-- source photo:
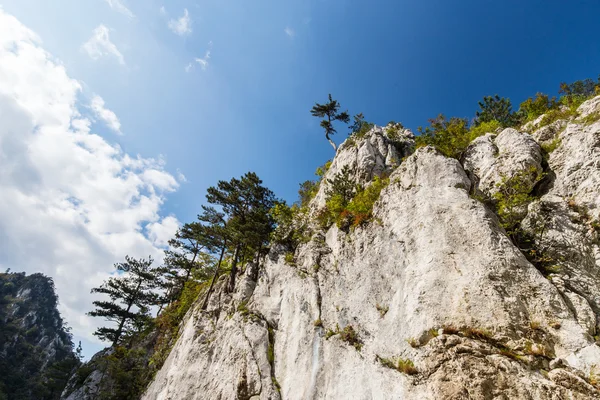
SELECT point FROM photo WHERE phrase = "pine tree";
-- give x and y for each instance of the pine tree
(187, 253)
(330, 110)
(215, 226)
(245, 204)
(131, 296)
(342, 185)
(495, 108)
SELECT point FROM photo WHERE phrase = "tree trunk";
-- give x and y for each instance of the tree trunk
(331, 143)
(124, 319)
(212, 283)
(234, 268)
(189, 271)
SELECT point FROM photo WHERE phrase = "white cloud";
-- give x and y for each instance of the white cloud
(203, 62)
(161, 233)
(120, 7)
(162, 10)
(289, 31)
(99, 45)
(181, 177)
(181, 26)
(72, 204)
(110, 118)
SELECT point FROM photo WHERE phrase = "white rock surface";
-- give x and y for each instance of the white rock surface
(373, 155)
(565, 224)
(491, 158)
(432, 257)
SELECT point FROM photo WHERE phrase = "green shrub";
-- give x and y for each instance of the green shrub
(556, 114)
(553, 145)
(330, 333)
(590, 118)
(242, 308)
(512, 196)
(339, 193)
(403, 365)
(360, 127)
(361, 206)
(290, 259)
(450, 136)
(308, 190)
(532, 108)
(393, 130)
(348, 209)
(483, 128)
(348, 335)
(290, 225)
(576, 93)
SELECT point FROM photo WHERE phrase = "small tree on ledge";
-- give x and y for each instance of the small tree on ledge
(131, 296)
(330, 111)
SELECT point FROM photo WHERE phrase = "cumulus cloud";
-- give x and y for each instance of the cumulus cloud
(72, 203)
(161, 233)
(118, 6)
(99, 45)
(110, 118)
(181, 26)
(289, 31)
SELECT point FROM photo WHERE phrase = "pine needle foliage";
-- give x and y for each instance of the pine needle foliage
(131, 293)
(330, 112)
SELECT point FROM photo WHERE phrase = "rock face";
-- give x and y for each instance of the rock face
(378, 153)
(491, 158)
(429, 300)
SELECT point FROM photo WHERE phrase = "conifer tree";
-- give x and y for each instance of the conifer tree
(187, 253)
(342, 185)
(245, 204)
(495, 108)
(131, 296)
(215, 226)
(330, 111)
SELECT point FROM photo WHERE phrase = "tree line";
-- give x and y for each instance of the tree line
(233, 229)
(452, 135)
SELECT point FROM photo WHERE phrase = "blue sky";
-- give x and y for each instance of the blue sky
(247, 108)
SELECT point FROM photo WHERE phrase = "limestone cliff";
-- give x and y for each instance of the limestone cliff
(429, 300)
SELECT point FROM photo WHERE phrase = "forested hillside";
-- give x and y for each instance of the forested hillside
(36, 349)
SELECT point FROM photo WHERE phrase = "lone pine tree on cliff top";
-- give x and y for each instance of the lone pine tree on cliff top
(329, 111)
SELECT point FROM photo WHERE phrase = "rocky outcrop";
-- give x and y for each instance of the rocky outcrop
(429, 300)
(565, 223)
(36, 350)
(492, 158)
(377, 153)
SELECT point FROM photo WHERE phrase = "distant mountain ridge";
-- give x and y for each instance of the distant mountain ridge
(36, 348)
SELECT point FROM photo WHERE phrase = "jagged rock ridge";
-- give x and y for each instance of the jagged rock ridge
(432, 286)
(36, 350)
